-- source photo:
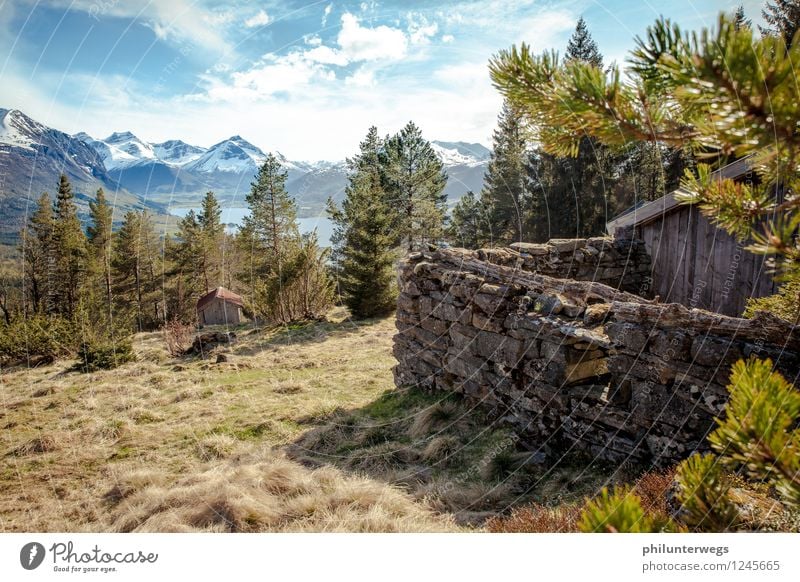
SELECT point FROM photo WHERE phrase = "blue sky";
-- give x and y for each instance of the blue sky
(302, 77)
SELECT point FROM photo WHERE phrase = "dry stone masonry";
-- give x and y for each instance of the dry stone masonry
(575, 365)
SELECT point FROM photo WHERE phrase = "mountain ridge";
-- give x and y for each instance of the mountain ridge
(174, 173)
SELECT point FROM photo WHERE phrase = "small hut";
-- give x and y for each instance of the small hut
(694, 262)
(220, 306)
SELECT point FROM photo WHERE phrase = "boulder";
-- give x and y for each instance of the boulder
(207, 341)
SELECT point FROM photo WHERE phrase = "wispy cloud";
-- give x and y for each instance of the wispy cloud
(261, 18)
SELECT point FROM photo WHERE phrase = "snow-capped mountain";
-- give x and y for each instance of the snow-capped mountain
(234, 154)
(176, 152)
(131, 145)
(174, 172)
(460, 153)
(32, 156)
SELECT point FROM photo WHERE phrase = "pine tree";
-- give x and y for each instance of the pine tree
(740, 20)
(285, 273)
(569, 196)
(690, 101)
(414, 180)
(471, 223)
(136, 270)
(782, 18)
(38, 256)
(505, 183)
(210, 241)
(69, 244)
(363, 238)
(272, 222)
(582, 47)
(99, 234)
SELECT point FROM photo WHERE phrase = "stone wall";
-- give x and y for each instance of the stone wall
(621, 263)
(574, 365)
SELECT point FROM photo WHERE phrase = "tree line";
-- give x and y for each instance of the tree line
(532, 195)
(86, 290)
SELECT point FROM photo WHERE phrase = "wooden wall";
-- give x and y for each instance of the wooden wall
(699, 265)
(220, 312)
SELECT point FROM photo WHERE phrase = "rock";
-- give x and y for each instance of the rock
(586, 369)
(595, 314)
(207, 341)
(549, 303)
(532, 248)
(574, 363)
(222, 358)
(567, 245)
(481, 321)
(709, 351)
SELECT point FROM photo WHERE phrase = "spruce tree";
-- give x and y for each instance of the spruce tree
(471, 224)
(582, 47)
(782, 18)
(99, 233)
(69, 244)
(740, 20)
(38, 256)
(363, 236)
(569, 195)
(210, 241)
(414, 180)
(136, 270)
(505, 184)
(272, 222)
(285, 273)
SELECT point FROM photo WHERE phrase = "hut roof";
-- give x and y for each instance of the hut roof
(219, 293)
(649, 211)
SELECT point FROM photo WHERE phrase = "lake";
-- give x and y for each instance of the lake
(234, 215)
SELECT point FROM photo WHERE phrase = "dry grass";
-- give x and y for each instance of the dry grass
(267, 493)
(78, 449)
(185, 444)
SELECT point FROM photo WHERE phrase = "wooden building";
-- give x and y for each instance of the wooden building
(694, 262)
(220, 307)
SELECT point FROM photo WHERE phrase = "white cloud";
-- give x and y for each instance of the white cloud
(326, 13)
(359, 43)
(420, 30)
(326, 56)
(361, 78)
(259, 19)
(279, 75)
(448, 38)
(312, 39)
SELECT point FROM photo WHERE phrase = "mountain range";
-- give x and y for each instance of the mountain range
(136, 173)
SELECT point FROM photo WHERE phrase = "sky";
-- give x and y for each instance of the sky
(306, 78)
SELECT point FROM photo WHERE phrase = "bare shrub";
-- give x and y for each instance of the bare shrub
(178, 336)
(653, 488)
(537, 519)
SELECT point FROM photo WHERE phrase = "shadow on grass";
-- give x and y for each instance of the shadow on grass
(448, 454)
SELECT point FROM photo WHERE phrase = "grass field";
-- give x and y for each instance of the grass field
(302, 429)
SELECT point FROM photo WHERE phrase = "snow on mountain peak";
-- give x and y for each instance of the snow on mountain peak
(460, 153)
(234, 154)
(176, 152)
(17, 129)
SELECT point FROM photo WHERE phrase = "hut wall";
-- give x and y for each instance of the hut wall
(220, 312)
(697, 264)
